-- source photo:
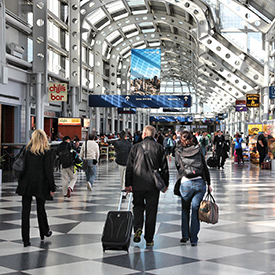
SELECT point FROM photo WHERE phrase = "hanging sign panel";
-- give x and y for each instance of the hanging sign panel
(126, 110)
(272, 92)
(171, 119)
(145, 71)
(253, 100)
(69, 121)
(241, 106)
(58, 91)
(134, 101)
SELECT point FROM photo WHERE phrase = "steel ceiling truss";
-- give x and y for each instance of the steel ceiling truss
(190, 25)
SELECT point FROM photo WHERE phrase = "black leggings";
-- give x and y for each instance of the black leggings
(41, 215)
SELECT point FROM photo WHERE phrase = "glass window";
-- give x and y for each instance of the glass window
(84, 56)
(54, 7)
(53, 62)
(30, 50)
(53, 32)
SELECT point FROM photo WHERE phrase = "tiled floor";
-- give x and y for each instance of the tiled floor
(243, 242)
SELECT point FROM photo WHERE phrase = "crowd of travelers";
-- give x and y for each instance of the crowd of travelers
(132, 154)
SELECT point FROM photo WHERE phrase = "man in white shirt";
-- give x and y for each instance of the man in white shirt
(92, 155)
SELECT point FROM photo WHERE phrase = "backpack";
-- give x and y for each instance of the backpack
(165, 141)
(192, 165)
(170, 143)
(18, 167)
(67, 158)
(203, 142)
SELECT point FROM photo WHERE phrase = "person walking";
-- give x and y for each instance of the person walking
(92, 155)
(139, 181)
(238, 147)
(262, 147)
(203, 140)
(122, 148)
(192, 188)
(218, 147)
(66, 155)
(37, 181)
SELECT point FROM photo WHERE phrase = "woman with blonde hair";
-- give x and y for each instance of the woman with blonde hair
(38, 181)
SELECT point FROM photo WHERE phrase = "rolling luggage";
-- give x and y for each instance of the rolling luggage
(212, 161)
(118, 228)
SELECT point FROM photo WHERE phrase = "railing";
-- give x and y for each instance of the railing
(10, 150)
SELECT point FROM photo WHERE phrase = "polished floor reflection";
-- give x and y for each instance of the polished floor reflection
(243, 242)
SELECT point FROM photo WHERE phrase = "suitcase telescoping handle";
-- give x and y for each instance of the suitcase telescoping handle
(120, 200)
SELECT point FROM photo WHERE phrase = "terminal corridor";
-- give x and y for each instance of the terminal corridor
(243, 241)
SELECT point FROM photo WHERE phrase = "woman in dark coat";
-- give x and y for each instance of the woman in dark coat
(192, 188)
(37, 181)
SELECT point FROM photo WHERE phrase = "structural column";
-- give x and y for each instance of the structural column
(139, 120)
(243, 122)
(133, 124)
(39, 103)
(97, 120)
(144, 118)
(3, 68)
(266, 82)
(113, 120)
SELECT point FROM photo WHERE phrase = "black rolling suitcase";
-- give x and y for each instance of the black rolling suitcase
(212, 161)
(118, 228)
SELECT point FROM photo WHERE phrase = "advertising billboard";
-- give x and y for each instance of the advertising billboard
(145, 71)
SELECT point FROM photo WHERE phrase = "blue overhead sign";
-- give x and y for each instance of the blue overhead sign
(126, 110)
(272, 92)
(171, 119)
(137, 101)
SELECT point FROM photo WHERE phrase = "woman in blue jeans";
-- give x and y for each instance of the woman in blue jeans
(194, 175)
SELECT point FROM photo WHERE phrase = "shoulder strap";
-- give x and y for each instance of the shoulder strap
(86, 148)
(146, 156)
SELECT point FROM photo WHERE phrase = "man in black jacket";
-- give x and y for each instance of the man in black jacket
(122, 148)
(139, 181)
(218, 146)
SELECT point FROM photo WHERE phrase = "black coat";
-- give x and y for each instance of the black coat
(122, 148)
(38, 178)
(137, 172)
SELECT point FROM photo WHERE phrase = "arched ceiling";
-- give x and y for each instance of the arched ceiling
(194, 52)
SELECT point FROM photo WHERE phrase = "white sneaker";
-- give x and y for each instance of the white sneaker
(89, 186)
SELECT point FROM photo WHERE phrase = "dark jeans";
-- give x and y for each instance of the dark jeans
(146, 201)
(239, 152)
(220, 157)
(262, 155)
(41, 215)
(192, 193)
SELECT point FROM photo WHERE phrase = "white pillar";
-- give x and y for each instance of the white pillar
(236, 125)
(133, 124)
(243, 122)
(97, 120)
(39, 103)
(74, 113)
(113, 120)
(266, 82)
(139, 120)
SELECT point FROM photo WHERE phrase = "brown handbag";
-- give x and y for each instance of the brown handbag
(209, 210)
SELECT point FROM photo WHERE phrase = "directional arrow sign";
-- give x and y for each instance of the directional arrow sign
(135, 101)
